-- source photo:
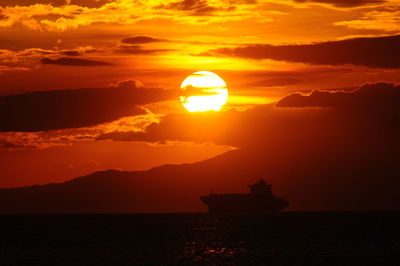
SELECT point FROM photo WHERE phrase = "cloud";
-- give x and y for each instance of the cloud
(371, 103)
(344, 3)
(142, 40)
(61, 109)
(63, 137)
(4, 144)
(195, 7)
(56, 3)
(7, 68)
(49, 17)
(23, 56)
(266, 122)
(70, 53)
(29, 57)
(232, 128)
(378, 52)
(137, 49)
(65, 61)
(368, 96)
(276, 81)
(386, 19)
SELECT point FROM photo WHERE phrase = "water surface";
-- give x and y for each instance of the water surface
(314, 238)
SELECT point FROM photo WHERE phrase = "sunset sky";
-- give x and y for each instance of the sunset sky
(90, 85)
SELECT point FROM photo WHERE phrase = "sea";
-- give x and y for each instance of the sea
(287, 238)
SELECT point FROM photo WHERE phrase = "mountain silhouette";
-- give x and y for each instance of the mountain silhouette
(162, 189)
(335, 181)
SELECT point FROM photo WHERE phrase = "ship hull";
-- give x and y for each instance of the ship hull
(243, 203)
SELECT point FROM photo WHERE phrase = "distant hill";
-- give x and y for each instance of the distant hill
(167, 188)
(309, 180)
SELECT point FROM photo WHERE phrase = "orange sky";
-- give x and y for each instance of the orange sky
(137, 53)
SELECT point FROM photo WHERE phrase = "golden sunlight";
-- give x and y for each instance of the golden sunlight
(203, 91)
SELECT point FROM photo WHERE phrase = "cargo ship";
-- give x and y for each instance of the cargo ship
(260, 200)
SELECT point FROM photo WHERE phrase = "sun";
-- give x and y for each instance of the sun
(203, 91)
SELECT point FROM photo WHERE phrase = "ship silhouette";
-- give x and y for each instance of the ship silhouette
(260, 200)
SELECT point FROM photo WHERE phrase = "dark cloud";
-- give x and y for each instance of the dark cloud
(137, 49)
(193, 7)
(377, 104)
(60, 109)
(199, 6)
(344, 3)
(5, 144)
(85, 3)
(378, 52)
(70, 53)
(142, 40)
(276, 81)
(368, 96)
(64, 61)
(190, 90)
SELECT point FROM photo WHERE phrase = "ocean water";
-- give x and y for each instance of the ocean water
(310, 238)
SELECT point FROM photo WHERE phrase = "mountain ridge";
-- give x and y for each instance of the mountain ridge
(346, 185)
